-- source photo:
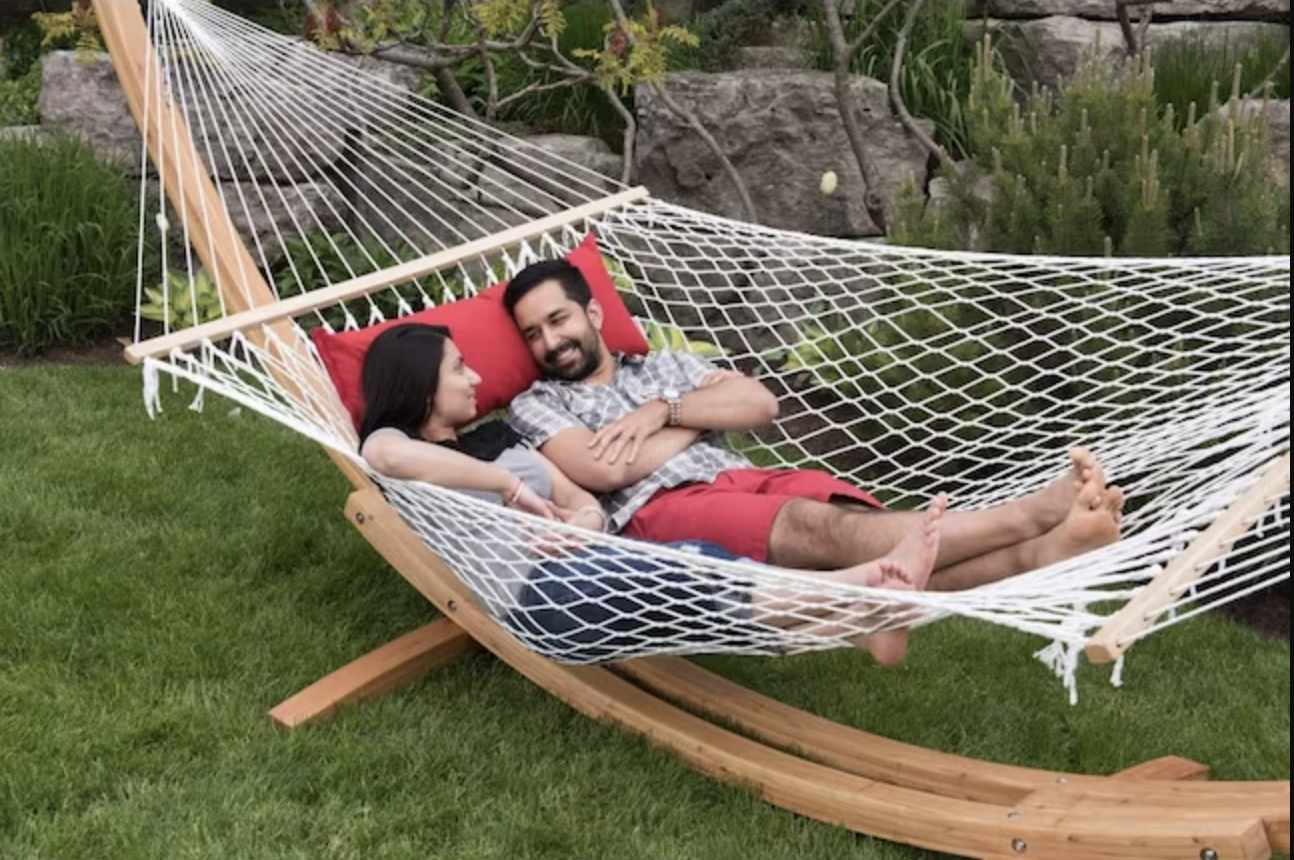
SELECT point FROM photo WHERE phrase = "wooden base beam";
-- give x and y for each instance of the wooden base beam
(384, 670)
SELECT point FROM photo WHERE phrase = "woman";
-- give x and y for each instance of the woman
(596, 603)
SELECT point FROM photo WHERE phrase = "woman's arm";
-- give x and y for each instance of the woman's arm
(397, 456)
(582, 505)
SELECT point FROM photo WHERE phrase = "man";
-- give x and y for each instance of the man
(647, 434)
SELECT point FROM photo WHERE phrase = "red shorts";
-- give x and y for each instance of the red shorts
(738, 509)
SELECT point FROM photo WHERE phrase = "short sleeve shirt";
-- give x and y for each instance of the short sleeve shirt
(551, 406)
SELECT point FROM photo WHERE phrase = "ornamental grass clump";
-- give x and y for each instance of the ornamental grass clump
(69, 224)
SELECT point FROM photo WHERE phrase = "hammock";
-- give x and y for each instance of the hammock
(905, 371)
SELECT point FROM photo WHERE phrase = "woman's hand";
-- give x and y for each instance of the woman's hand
(522, 498)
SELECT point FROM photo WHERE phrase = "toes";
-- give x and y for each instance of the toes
(1089, 496)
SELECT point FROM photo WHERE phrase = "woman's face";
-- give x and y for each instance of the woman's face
(455, 403)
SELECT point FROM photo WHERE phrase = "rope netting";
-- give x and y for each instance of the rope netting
(905, 371)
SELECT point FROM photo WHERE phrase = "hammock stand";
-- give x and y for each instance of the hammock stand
(804, 763)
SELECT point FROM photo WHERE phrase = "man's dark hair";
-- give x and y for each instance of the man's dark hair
(571, 279)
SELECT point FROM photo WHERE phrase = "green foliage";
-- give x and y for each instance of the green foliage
(23, 47)
(76, 28)
(284, 16)
(582, 109)
(19, 97)
(661, 336)
(68, 244)
(510, 88)
(319, 259)
(1187, 70)
(636, 50)
(181, 301)
(1105, 169)
(721, 31)
(20, 74)
(938, 63)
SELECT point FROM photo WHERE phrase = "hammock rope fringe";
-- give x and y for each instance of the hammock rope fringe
(906, 371)
(305, 191)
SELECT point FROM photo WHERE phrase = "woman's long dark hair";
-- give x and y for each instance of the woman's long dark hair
(400, 377)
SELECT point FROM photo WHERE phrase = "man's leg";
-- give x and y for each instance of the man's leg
(823, 536)
(1093, 522)
(907, 567)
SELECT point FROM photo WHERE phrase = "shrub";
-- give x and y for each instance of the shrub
(725, 29)
(68, 244)
(1105, 169)
(20, 74)
(581, 109)
(18, 97)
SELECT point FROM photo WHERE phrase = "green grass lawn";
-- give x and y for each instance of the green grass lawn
(165, 582)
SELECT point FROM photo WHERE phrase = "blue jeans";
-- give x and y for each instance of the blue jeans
(603, 603)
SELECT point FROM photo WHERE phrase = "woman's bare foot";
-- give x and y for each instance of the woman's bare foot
(1093, 522)
(906, 568)
(1051, 506)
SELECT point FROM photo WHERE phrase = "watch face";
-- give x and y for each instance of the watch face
(669, 394)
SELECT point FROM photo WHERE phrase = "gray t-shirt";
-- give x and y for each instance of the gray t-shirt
(501, 589)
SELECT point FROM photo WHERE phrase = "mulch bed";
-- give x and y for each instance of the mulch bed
(1267, 611)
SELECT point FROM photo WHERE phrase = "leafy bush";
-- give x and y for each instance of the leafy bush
(1104, 169)
(938, 62)
(68, 244)
(20, 74)
(581, 109)
(725, 29)
(18, 98)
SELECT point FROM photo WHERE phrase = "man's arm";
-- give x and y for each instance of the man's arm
(570, 451)
(734, 402)
(723, 400)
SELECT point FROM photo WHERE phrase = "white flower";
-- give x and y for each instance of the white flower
(829, 183)
(162, 224)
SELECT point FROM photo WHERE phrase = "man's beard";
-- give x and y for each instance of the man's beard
(581, 370)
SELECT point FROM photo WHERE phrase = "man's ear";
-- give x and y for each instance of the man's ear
(596, 315)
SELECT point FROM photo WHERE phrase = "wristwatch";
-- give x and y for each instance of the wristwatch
(674, 401)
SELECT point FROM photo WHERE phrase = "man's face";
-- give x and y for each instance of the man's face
(564, 338)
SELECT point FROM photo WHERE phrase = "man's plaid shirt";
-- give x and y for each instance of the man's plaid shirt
(551, 406)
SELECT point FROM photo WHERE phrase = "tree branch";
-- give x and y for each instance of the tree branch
(896, 92)
(840, 67)
(1130, 40)
(871, 28)
(695, 124)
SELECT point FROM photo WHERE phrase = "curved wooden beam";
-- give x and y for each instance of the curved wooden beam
(872, 785)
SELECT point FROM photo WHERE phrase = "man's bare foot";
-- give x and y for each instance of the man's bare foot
(906, 568)
(1051, 505)
(1093, 522)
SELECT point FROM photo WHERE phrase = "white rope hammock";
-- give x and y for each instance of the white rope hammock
(902, 370)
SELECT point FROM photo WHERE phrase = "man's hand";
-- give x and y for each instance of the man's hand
(627, 434)
(720, 376)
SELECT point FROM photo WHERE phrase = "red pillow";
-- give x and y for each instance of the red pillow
(484, 332)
